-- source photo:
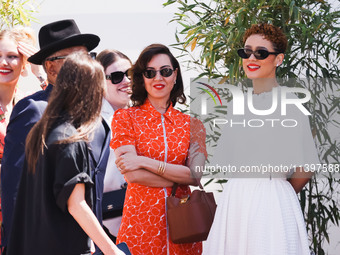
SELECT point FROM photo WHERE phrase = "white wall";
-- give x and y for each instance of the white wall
(128, 26)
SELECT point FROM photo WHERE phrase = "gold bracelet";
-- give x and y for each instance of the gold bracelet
(161, 168)
(164, 168)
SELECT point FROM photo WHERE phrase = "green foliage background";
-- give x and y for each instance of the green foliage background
(17, 12)
(211, 32)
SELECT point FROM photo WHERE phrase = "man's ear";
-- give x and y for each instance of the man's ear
(51, 70)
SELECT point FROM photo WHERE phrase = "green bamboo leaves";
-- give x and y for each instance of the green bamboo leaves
(210, 32)
(17, 12)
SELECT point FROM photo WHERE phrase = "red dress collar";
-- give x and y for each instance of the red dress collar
(169, 114)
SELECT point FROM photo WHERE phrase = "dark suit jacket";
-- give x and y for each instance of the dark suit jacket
(24, 115)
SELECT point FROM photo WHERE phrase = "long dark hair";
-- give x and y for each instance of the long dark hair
(139, 93)
(76, 98)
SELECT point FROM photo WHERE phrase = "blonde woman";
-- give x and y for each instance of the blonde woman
(16, 45)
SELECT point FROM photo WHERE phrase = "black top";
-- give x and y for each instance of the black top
(41, 222)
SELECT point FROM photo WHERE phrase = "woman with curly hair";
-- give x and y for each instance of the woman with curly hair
(259, 212)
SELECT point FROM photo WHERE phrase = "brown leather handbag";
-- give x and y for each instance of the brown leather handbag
(190, 218)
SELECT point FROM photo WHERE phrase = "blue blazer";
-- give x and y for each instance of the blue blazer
(24, 115)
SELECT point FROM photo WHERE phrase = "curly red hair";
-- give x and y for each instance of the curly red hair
(269, 32)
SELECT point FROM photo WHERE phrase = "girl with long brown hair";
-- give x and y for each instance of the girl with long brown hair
(53, 210)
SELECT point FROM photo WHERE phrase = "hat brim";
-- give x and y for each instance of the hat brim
(90, 41)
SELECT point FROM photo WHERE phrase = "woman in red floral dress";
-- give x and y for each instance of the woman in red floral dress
(152, 141)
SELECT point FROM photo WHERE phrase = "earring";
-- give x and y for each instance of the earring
(24, 72)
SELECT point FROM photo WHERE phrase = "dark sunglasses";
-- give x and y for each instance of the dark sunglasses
(117, 77)
(91, 54)
(258, 54)
(151, 73)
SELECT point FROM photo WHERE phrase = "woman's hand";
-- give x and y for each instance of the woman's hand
(83, 214)
(28, 50)
(300, 178)
(129, 162)
(142, 176)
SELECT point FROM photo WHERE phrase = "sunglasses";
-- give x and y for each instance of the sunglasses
(258, 54)
(151, 73)
(91, 54)
(117, 77)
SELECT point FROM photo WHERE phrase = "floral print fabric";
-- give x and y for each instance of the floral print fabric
(165, 138)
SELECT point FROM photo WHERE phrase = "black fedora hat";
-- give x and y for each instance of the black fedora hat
(61, 35)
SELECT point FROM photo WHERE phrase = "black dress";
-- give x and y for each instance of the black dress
(42, 223)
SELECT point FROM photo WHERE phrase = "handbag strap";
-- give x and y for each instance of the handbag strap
(175, 186)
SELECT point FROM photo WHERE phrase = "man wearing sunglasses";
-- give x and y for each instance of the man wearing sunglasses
(57, 40)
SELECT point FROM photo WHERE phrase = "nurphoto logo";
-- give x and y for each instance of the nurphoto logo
(242, 104)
